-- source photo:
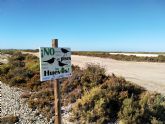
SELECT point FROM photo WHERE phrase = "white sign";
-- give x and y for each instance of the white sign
(55, 63)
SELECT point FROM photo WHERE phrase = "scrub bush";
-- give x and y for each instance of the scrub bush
(95, 96)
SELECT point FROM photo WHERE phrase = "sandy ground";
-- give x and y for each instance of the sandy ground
(33, 53)
(146, 74)
(3, 58)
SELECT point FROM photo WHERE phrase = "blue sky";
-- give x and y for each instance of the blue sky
(113, 25)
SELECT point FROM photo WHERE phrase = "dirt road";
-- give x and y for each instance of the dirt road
(148, 75)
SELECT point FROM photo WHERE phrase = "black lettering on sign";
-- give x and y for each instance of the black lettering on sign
(48, 72)
(44, 73)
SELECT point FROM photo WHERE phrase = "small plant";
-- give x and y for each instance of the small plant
(9, 119)
(25, 95)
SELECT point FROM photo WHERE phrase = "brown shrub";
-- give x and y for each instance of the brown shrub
(9, 119)
(25, 95)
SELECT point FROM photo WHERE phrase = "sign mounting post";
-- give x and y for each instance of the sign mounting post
(55, 63)
(57, 102)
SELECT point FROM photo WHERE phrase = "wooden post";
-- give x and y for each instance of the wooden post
(57, 102)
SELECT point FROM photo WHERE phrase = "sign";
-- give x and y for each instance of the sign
(55, 63)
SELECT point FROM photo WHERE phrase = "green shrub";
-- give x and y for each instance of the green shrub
(155, 121)
(17, 80)
(32, 63)
(8, 51)
(4, 69)
(161, 58)
(1, 63)
(115, 99)
(149, 109)
(129, 111)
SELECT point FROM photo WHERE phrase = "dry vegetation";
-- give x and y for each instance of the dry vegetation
(121, 57)
(97, 97)
(9, 119)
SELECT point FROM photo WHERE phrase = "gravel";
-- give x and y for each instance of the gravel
(12, 104)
